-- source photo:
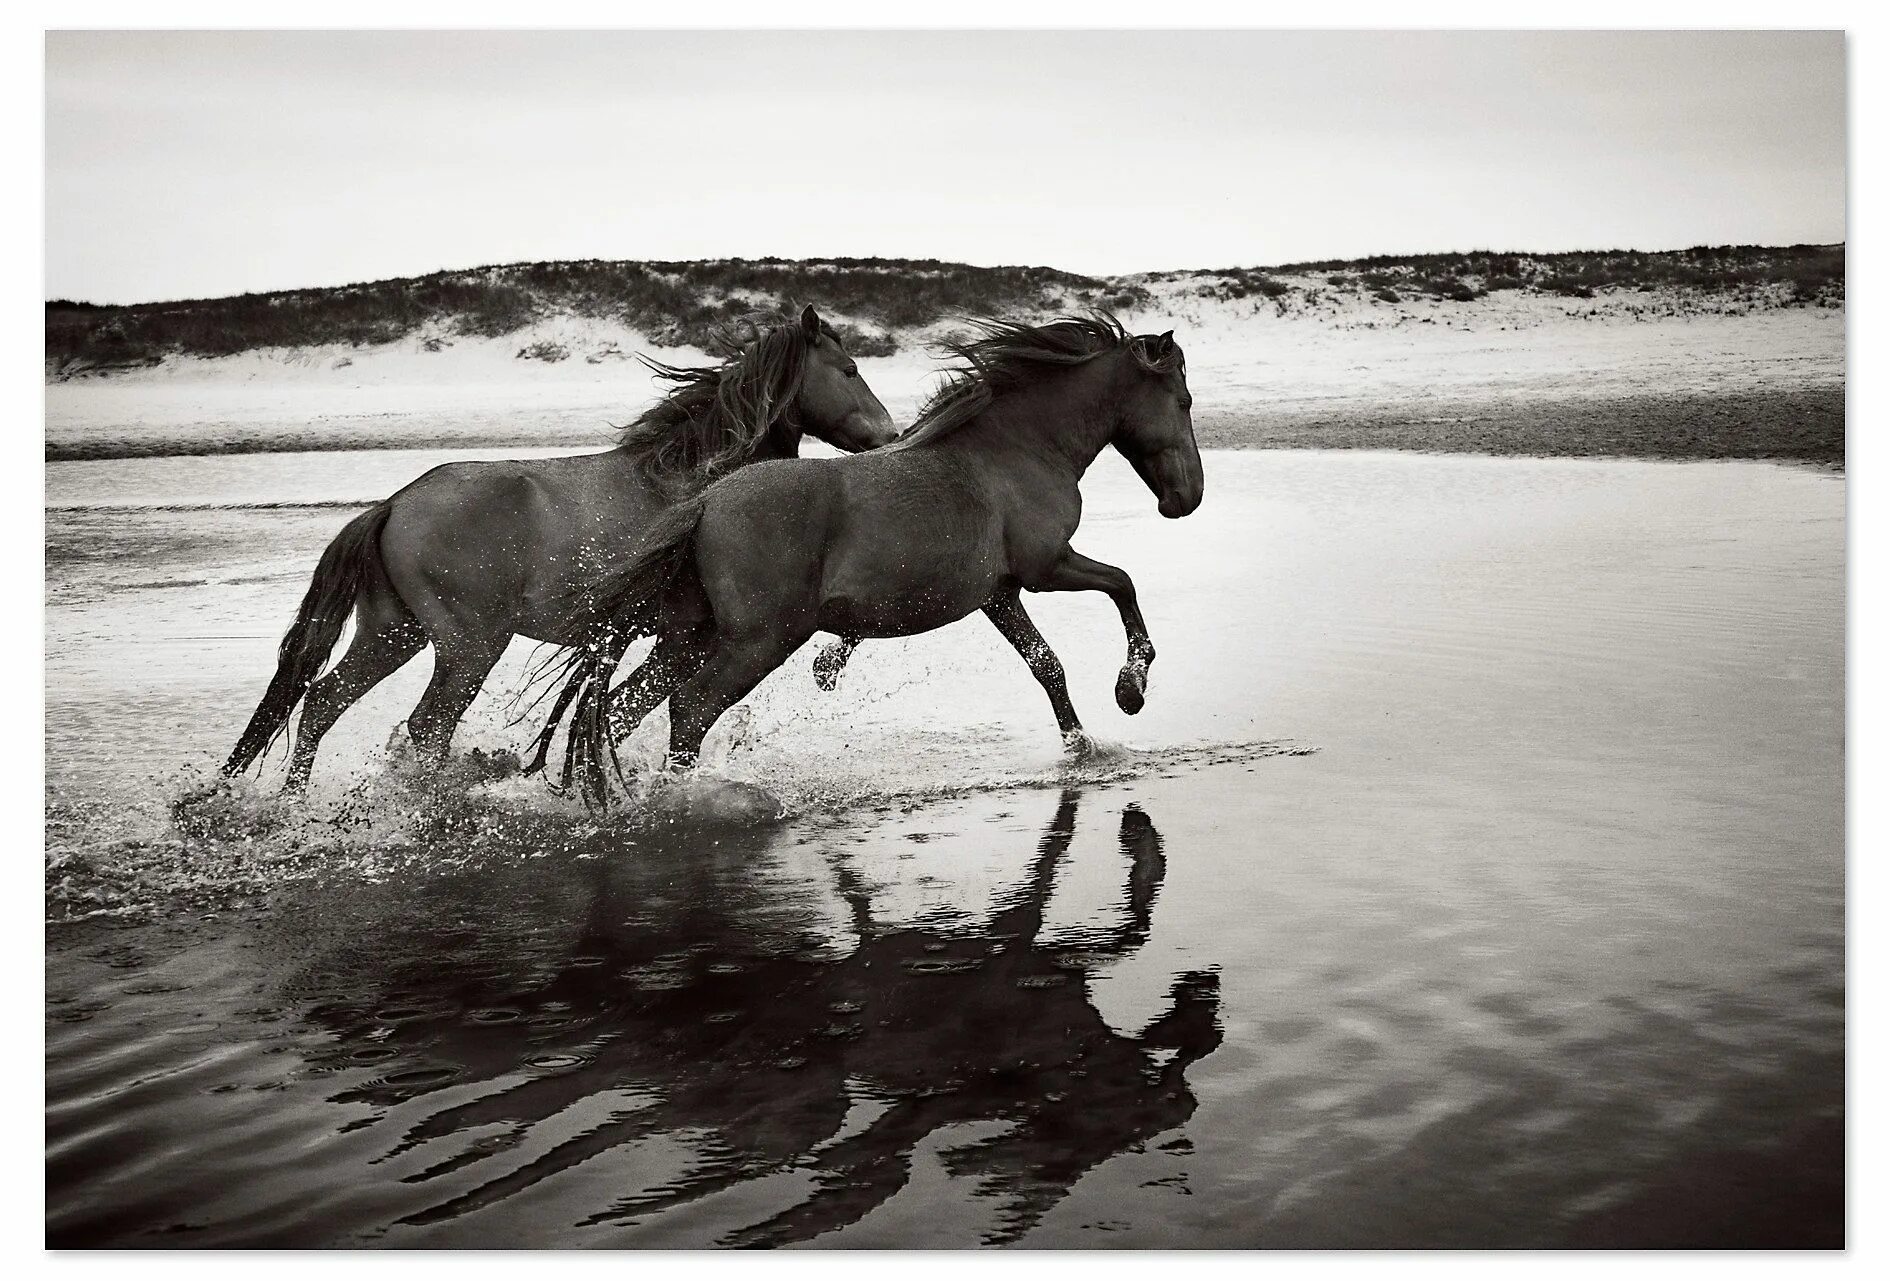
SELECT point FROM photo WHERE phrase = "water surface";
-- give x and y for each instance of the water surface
(1541, 944)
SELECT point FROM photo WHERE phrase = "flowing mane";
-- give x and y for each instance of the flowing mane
(715, 417)
(1004, 355)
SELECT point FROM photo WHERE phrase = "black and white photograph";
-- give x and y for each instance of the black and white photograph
(927, 639)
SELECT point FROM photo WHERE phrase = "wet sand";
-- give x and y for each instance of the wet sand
(1542, 944)
(1792, 423)
(1789, 424)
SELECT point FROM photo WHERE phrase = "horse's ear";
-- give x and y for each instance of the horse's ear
(810, 324)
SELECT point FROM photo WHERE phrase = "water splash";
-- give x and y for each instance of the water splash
(219, 844)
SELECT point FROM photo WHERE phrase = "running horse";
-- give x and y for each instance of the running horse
(472, 554)
(974, 504)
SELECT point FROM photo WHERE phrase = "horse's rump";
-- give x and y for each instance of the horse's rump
(611, 612)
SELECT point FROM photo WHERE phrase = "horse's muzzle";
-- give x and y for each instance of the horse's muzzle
(1174, 477)
(872, 428)
(1175, 506)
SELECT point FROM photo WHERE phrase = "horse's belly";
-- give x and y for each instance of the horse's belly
(920, 608)
(912, 576)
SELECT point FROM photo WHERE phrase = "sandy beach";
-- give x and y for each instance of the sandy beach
(1626, 375)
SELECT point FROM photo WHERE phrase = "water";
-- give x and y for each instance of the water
(1474, 876)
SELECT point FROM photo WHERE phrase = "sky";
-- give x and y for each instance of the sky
(199, 164)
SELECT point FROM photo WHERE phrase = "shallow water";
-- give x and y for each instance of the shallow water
(1542, 943)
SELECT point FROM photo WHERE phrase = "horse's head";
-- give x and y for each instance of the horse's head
(1155, 431)
(778, 379)
(834, 402)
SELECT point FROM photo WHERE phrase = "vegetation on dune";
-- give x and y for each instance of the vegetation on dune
(1788, 275)
(674, 303)
(875, 303)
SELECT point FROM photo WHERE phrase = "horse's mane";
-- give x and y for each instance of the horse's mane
(1003, 355)
(715, 417)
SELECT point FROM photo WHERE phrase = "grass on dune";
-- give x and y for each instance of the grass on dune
(878, 302)
(675, 303)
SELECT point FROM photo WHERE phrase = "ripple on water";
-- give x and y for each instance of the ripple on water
(941, 965)
(495, 1014)
(562, 1061)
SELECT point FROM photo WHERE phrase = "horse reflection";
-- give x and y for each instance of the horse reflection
(717, 1013)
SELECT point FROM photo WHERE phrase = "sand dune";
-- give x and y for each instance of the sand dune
(1330, 368)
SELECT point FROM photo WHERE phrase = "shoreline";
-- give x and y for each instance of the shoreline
(1804, 424)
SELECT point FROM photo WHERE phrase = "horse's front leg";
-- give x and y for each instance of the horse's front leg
(1006, 613)
(1075, 572)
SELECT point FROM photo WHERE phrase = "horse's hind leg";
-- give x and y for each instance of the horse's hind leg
(731, 670)
(674, 660)
(459, 669)
(387, 637)
(1006, 613)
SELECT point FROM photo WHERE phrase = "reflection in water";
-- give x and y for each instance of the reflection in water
(699, 1004)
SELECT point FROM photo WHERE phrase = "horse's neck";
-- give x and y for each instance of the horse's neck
(781, 441)
(1059, 428)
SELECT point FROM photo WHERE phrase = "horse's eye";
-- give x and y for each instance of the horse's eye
(853, 371)
(1187, 403)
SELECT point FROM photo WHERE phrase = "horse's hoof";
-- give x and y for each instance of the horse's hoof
(1077, 745)
(1129, 687)
(828, 665)
(1080, 749)
(221, 785)
(499, 763)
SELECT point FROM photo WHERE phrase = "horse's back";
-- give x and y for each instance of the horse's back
(457, 511)
(487, 544)
(810, 506)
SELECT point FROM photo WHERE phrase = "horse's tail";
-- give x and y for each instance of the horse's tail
(620, 606)
(311, 637)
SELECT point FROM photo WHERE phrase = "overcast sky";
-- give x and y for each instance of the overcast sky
(184, 164)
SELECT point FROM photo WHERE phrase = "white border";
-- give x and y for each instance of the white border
(21, 80)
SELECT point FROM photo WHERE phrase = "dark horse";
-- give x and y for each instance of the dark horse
(471, 554)
(973, 504)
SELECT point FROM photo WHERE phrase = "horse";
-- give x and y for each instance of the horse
(975, 503)
(474, 553)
